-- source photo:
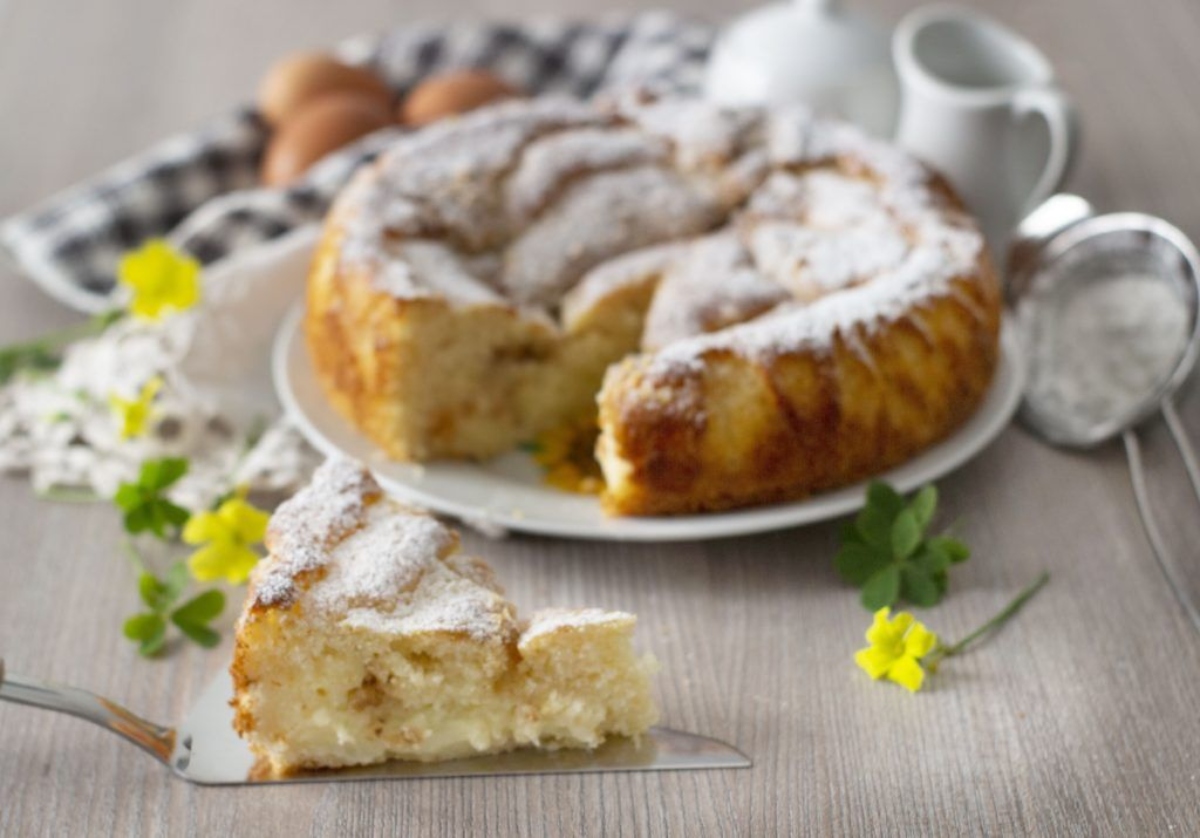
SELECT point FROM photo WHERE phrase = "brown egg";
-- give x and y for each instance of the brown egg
(452, 93)
(298, 79)
(324, 125)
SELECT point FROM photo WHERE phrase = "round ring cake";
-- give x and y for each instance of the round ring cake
(763, 303)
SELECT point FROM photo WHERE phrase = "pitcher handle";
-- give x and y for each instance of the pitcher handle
(1052, 105)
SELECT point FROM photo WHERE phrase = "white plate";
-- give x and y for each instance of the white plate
(508, 491)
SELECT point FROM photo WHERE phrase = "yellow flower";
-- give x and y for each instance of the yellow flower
(897, 646)
(162, 280)
(135, 414)
(228, 536)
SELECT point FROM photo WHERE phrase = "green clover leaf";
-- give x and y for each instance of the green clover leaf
(882, 496)
(924, 505)
(149, 628)
(918, 587)
(906, 535)
(201, 609)
(149, 631)
(192, 618)
(885, 550)
(931, 560)
(146, 507)
(952, 547)
(882, 589)
(157, 475)
(858, 562)
(874, 522)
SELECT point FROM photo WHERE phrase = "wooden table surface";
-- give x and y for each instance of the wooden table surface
(1080, 718)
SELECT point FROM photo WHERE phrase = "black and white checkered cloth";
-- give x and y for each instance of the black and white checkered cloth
(201, 189)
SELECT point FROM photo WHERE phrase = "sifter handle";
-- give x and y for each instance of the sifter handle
(1137, 474)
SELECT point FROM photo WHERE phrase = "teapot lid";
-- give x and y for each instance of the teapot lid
(820, 32)
(810, 51)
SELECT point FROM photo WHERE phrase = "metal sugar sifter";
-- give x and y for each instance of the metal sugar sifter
(1108, 309)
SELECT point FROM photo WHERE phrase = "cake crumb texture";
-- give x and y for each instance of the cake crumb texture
(367, 636)
(762, 303)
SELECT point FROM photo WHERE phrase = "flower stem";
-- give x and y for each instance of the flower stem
(91, 327)
(66, 494)
(132, 553)
(1007, 613)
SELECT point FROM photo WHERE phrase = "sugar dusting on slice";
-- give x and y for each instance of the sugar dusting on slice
(384, 567)
(305, 528)
(549, 620)
(384, 560)
(394, 576)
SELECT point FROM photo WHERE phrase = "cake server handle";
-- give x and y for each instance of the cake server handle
(1137, 475)
(156, 740)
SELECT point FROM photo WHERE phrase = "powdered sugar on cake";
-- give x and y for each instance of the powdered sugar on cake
(550, 620)
(549, 162)
(530, 203)
(418, 268)
(351, 556)
(712, 286)
(348, 555)
(393, 577)
(860, 218)
(798, 326)
(445, 180)
(306, 527)
(385, 559)
(703, 135)
(617, 274)
(608, 215)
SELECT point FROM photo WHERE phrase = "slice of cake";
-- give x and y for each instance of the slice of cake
(366, 636)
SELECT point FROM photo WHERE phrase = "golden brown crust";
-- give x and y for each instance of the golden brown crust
(341, 313)
(367, 636)
(734, 429)
(740, 431)
(376, 356)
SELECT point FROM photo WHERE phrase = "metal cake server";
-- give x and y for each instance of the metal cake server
(206, 750)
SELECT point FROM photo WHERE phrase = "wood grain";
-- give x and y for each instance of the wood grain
(1078, 720)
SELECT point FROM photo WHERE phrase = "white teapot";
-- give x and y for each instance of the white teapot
(810, 51)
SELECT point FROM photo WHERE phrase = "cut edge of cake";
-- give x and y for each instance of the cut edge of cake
(367, 636)
(841, 301)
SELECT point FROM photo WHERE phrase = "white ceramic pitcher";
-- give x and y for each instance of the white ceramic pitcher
(968, 85)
